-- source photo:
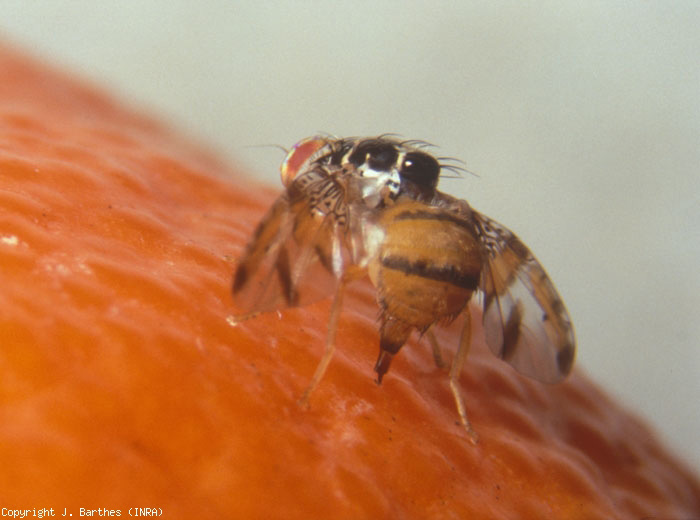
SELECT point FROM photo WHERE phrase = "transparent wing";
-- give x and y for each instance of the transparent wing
(297, 253)
(525, 321)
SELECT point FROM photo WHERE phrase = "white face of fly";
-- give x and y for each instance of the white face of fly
(376, 163)
(378, 185)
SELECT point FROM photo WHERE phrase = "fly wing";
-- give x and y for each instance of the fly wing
(297, 253)
(525, 321)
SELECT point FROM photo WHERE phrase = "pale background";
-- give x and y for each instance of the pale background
(582, 120)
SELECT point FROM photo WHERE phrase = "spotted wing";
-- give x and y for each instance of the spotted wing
(297, 253)
(525, 321)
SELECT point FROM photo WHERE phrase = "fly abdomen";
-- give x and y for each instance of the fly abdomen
(428, 266)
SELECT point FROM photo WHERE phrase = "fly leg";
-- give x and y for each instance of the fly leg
(330, 345)
(456, 370)
(435, 346)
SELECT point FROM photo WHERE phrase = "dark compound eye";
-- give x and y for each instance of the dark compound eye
(420, 168)
(378, 155)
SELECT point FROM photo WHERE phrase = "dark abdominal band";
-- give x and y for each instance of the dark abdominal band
(439, 273)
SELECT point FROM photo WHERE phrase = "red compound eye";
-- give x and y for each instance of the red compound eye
(300, 156)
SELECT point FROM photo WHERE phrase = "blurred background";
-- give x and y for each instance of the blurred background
(582, 121)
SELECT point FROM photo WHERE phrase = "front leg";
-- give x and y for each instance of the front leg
(330, 345)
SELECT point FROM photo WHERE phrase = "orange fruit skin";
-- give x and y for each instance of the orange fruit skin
(124, 385)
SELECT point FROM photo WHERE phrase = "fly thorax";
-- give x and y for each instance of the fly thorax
(366, 237)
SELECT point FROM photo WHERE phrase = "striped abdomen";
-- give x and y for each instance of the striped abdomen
(426, 269)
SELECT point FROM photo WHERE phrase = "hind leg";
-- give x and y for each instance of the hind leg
(435, 346)
(455, 371)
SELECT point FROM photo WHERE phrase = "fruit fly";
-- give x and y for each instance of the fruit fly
(370, 206)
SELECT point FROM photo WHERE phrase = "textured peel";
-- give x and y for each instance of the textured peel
(125, 384)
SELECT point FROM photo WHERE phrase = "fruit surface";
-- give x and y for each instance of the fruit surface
(124, 382)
